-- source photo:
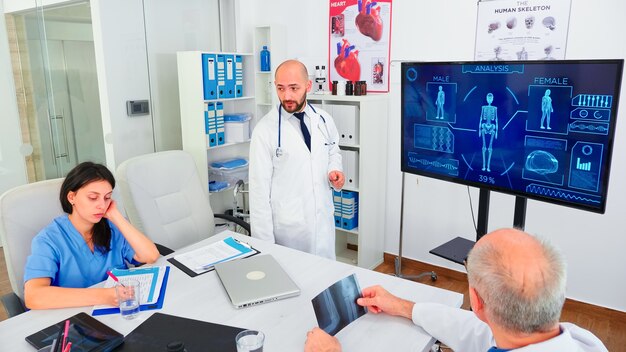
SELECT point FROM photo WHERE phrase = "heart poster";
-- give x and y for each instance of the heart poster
(359, 42)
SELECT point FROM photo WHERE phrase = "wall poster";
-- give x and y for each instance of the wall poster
(522, 30)
(359, 42)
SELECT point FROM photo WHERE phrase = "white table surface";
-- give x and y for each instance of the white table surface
(284, 322)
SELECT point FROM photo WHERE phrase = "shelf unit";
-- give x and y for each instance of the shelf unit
(191, 91)
(363, 246)
(274, 37)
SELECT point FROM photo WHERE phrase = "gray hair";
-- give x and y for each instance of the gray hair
(514, 305)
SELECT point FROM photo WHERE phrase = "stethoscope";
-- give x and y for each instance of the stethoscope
(279, 149)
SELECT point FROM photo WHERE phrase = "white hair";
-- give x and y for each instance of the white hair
(511, 304)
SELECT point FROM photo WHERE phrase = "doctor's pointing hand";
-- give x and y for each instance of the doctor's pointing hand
(336, 179)
(294, 162)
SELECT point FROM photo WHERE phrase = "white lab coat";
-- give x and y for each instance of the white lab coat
(290, 196)
(462, 331)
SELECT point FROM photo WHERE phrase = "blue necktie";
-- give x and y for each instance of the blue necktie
(305, 131)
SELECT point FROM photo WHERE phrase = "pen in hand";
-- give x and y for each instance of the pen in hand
(68, 348)
(114, 278)
(65, 332)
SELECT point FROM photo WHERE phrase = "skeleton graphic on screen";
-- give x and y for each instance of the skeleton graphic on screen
(546, 109)
(441, 99)
(488, 126)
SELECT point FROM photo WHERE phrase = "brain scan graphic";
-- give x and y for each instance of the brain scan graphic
(529, 22)
(541, 162)
(549, 23)
(511, 23)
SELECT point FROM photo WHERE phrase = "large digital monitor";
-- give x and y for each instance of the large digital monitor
(538, 129)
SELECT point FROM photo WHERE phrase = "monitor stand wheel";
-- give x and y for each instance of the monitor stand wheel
(398, 273)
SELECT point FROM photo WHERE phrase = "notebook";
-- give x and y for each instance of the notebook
(159, 330)
(255, 280)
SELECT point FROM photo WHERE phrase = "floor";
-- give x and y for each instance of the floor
(609, 325)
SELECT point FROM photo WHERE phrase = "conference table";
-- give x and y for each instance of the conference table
(285, 322)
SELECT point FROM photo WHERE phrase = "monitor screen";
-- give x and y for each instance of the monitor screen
(539, 129)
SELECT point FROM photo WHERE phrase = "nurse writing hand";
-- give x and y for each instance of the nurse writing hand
(337, 179)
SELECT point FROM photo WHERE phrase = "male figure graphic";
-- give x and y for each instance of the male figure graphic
(441, 99)
(488, 126)
(546, 109)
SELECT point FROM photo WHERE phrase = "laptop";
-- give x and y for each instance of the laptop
(255, 280)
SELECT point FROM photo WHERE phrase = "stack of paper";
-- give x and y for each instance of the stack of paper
(203, 259)
(152, 282)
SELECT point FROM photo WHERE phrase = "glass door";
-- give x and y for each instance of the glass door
(59, 105)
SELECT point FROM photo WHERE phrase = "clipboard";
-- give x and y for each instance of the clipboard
(156, 305)
(251, 251)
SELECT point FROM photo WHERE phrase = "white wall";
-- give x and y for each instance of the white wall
(173, 26)
(438, 211)
(12, 166)
(121, 62)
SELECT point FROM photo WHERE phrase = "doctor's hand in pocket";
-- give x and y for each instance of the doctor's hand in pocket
(336, 179)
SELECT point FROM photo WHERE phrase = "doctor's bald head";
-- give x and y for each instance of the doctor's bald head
(294, 67)
(292, 84)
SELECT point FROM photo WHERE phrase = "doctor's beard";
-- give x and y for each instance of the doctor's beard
(299, 105)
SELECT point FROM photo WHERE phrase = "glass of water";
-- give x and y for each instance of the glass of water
(128, 295)
(250, 341)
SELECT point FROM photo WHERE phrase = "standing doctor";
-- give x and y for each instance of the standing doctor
(294, 162)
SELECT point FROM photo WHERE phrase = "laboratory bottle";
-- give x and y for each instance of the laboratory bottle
(349, 88)
(265, 59)
(357, 88)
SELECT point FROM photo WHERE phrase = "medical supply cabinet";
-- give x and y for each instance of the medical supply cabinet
(274, 37)
(196, 98)
(362, 125)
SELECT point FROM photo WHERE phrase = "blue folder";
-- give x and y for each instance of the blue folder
(229, 81)
(238, 76)
(219, 123)
(210, 124)
(209, 76)
(157, 305)
(221, 76)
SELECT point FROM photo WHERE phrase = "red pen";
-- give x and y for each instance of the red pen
(68, 348)
(65, 332)
(115, 278)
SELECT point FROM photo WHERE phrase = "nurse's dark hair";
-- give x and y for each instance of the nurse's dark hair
(81, 175)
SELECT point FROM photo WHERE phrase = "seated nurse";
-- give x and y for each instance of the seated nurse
(76, 250)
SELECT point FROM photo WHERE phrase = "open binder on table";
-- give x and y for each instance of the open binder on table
(203, 259)
(153, 283)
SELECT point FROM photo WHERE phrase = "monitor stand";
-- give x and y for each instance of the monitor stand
(458, 248)
(398, 260)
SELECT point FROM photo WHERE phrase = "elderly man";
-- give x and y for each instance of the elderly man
(517, 290)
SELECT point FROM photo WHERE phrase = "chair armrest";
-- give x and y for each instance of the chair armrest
(163, 250)
(12, 304)
(236, 220)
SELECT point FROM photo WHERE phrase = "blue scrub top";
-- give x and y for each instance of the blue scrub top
(60, 253)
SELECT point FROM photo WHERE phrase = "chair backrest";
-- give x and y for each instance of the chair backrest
(165, 199)
(24, 211)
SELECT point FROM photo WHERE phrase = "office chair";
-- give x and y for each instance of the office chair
(165, 199)
(24, 211)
